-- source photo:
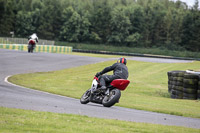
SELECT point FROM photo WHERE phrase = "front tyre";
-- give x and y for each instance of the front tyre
(112, 98)
(86, 97)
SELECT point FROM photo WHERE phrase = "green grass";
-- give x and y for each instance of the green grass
(96, 55)
(138, 50)
(148, 89)
(24, 121)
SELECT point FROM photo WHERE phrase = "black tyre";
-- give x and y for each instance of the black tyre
(190, 81)
(194, 86)
(86, 97)
(189, 96)
(178, 79)
(170, 78)
(169, 82)
(177, 93)
(176, 83)
(173, 96)
(177, 73)
(169, 88)
(30, 48)
(176, 97)
(112, 98)
(178, 88)
(169, 73)
(199, 85)
(191, 76)
(190, 90)
(198, 94)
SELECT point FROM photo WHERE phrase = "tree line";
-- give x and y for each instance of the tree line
(131, 23)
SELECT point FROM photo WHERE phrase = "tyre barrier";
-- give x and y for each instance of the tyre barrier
(38, 48)
(175, 81)
(184, 85)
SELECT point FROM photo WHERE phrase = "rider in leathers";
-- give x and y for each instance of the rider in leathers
(120, 71)
(33, 37)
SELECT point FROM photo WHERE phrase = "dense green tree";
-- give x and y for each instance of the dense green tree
(24, 22)
(136, 16)
(84, 28)
(191, 32)
(70, 30)
(100, 19)
(50, 19)
(120, 25)
(133, 39)
(7, 17)
(132, 23)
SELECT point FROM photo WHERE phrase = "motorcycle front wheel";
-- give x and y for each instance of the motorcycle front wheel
(86, 97)
(112, 98)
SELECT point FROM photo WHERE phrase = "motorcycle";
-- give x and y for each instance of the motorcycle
(109, 97)
(31, 45)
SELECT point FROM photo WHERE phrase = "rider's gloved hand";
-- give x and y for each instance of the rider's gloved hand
(98, 74)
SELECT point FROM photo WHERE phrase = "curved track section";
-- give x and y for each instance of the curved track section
(12, 96)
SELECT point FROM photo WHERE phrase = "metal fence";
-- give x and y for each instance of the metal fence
(10, 40)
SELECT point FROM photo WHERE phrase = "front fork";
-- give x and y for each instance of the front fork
(107, 92)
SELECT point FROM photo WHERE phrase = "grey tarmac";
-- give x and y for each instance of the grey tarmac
(12, 96)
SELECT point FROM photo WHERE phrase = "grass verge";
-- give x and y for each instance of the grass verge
(23, 121)
(148, 89)
(153, 51)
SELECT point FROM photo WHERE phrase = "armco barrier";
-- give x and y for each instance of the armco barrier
(39, 48)
(134, 54)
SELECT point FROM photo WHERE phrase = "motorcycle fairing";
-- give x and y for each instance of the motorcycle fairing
(32, 42)
(121, 84)
(94, 84)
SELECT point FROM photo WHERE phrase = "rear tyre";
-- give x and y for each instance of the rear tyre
(86, 97)
(112, 98)
(30, 48)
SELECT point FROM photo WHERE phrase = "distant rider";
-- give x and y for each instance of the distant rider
(33, 39)
(120, 71)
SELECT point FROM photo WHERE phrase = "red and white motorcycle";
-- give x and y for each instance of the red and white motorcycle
(108, 98)
(31, 45)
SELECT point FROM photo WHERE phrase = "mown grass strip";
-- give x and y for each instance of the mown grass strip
(148, 89)
(23, 121)
(140, 50)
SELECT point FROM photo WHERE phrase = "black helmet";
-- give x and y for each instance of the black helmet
(122, 60)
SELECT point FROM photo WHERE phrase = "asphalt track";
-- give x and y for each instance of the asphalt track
(12, 96)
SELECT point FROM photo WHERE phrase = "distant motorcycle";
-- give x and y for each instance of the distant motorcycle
(108, 98)
(31, 45)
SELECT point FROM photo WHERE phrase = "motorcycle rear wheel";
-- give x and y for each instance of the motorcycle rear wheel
(112, 98)
(86, 97)
(30, 48)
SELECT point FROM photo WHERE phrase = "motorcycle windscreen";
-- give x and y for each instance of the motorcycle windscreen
(120, 83)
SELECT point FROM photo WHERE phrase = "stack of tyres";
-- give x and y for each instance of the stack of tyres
(190, 86)
(175, 84)
(170, 81)
(198, 91)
